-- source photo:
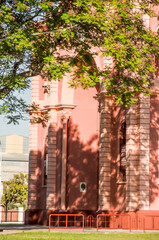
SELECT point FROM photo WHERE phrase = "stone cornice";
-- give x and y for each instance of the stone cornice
(60, 107)
(63, 110)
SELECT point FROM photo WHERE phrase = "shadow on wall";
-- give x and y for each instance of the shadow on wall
(37, 194)
(35, 175)
(82, 167)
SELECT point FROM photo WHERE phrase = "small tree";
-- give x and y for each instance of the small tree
(15, 191)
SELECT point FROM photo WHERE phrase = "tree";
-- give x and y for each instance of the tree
(32, 32)
(15, 190)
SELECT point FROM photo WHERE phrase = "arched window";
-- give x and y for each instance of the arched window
(45, 172)
(45, 162)
(122, 167)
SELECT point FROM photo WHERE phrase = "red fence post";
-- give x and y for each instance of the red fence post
(113, 221)
(49, 222)
(144, 224)
(66, 221)
(130, 222)
(58, 221)
(83, 223)
(75, 220)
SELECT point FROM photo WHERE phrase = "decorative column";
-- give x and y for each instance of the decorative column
(33, 150)
(105, 109)
(64, 111)
(33, 154)
(64, 163)
(132, 157)
(138, 154)
(51, 101)
(51, 178)
(144, 152)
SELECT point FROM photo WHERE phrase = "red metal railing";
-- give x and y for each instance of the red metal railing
(104, 221)
(113, 221)
(153, 225)
(90, 221)
(71, 221)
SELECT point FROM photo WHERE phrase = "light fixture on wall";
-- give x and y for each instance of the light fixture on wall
(46, 87)
(83, 186)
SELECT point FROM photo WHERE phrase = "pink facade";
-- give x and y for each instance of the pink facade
(94, 155)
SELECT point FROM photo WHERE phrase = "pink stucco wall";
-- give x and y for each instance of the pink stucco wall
(83, 151)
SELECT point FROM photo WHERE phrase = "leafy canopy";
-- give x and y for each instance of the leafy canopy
(15, 190)
(33, 31)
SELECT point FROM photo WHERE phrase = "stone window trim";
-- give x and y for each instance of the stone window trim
(121, 182)
(45, 170)
(45, 163)
(121, 160)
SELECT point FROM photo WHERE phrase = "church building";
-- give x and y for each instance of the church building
(94, 156)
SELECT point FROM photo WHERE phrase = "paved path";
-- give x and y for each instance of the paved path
(17, 228)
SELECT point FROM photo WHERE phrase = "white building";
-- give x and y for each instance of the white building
(13, 157)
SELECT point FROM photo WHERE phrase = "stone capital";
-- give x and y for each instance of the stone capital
(104, 101)
(64, 111)
(65, 115)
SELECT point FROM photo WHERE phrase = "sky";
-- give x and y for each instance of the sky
(22, 128)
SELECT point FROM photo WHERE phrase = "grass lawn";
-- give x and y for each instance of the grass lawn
(80, 236)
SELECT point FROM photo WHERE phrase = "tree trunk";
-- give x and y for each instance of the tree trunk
(6, 213)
